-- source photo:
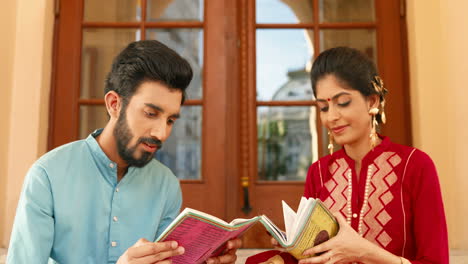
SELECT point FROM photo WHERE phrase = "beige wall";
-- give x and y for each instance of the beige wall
(7, 49)
(28, 43)
(438, 42)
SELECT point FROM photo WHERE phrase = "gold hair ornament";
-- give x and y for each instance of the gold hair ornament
(380, 89)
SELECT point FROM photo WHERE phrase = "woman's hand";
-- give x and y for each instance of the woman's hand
(347, 246)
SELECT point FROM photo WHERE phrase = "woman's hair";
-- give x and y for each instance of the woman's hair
(353, 68)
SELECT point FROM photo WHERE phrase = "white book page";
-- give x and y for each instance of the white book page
(301, 205)
(200, 213)
(279, 233)
(240, 221)
(302, 212)
(289, 220)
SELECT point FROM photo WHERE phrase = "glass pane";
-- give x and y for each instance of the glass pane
(92, 117)
(287, 12)
(346, 11)
(100, 46)
(282, 66)
(189, 44)
(287, 142)
(182, 150)
(361, 39)
(165, 10)
(112, 10)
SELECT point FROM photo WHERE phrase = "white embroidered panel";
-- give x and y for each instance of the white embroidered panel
(376, 217)
(337, 186)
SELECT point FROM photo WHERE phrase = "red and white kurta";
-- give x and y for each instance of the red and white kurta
(396, 203)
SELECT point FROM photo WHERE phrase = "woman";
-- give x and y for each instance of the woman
(386, 197)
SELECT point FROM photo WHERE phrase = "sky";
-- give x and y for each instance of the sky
(278, 50)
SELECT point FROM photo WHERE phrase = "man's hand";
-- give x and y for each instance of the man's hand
(145, 252)
(230, 255)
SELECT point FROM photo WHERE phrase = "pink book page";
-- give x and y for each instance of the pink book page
(200, 239)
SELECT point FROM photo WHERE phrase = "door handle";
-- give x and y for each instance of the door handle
(245, 186)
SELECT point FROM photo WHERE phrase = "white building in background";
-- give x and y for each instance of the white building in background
(287, 136)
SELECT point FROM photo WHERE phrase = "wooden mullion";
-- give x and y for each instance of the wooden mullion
(175, 24)
(316, 53)
(320, 25)
(93, 101)
(347, 25)
(77, 93)
(53, 84)
(300, 25)
(316, 29)
(251, 90)
(166, 24)
(111, 24)
(205, 56)
(286, 103)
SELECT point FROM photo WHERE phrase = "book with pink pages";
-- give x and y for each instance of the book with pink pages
(203, 235)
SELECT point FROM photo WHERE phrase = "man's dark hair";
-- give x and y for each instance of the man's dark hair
(147, 60)
(349, 65)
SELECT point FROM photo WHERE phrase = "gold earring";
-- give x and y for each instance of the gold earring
(373, 135)
(330, 143)
(383, 117)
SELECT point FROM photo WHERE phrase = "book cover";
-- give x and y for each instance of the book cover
(311, 225)
(321, 226)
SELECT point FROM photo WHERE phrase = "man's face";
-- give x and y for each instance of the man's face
(146, 122)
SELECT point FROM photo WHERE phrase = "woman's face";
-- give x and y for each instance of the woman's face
(343, 111)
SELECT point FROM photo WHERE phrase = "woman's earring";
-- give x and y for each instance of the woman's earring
(373, 135)
(383, 117)
(330, 143)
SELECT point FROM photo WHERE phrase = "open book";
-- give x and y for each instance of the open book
(203, 235)
(311, 225)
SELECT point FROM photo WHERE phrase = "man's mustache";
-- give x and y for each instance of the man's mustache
(151, 141)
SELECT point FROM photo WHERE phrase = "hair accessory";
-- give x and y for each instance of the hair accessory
(380, 89)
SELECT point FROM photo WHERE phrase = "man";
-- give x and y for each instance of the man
(103, 199)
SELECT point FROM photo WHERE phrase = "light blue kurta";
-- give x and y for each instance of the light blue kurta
(73, 210)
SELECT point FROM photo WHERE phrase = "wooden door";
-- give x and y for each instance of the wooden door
(87, 37)
(250, 128)
(281, 133)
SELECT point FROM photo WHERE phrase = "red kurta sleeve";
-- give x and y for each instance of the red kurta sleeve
(429, 226)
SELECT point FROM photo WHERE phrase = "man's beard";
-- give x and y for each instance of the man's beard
(123, 136)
